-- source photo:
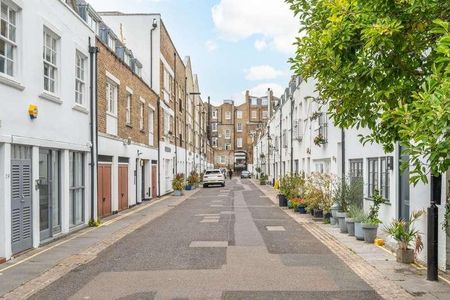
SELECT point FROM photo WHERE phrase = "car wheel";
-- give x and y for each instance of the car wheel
(223, 184)
(205, 185)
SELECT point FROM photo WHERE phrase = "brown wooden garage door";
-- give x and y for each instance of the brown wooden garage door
(104, 190)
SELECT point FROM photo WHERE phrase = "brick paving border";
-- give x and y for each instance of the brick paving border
(70, 263)
(374, 278)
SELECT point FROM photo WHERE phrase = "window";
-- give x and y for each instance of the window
(239, 142)
(167, 87)
(166, 123)
(111, 97)
(76, 182)
(254, 112)
(254, 101)
(92, 23)
(214, 114)
(356, 178)
(239, 114)
(265, 101)
(384, 178)
(141, 115)
(112, 43)
(214, 141)
(239, 127)
(323, 126)
(222, 159)
(227, 133)
(127, 59)
(50, 61)
(228, 115)
(128, 109)
(227, 146)
(264, 114)
(214, 126)
(8, 44)
(80, 61)
(373, 176)
(151, 139)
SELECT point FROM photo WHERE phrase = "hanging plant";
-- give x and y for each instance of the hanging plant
(319, 140)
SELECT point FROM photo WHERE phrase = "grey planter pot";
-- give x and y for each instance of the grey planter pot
(350, 226)
(370, 232)
(333, 221)
(341, 220)
(405, 256)
(359, 233)
(334, 209)
(178, 193)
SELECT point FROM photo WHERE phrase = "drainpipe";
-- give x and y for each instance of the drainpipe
(185, 127)
(281, 137)
(93, 130)
(154, 25)
(175, 102)
(292, 135)
(158, 105)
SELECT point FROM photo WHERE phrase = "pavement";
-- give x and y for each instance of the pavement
(215, 243)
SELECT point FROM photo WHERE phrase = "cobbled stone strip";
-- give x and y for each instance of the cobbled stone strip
(382, 285)
(72, 262)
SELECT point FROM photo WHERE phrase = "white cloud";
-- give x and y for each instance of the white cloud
(211, 45)
(271, 19)
(260, 44)
(263, 72)
(261, 89)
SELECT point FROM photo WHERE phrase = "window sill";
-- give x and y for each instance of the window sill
(11, 83)
(111, 115)
(49, 97)
(142, 130)
(129, 125)
(387, 202)
(80, 108)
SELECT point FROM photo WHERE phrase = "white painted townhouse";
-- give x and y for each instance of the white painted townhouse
(45, 117)
(337, 152)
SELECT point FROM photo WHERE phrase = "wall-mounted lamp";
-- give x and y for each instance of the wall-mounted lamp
(139, 153)
(127, 142)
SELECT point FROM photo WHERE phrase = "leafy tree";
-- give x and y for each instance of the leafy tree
(382, 64)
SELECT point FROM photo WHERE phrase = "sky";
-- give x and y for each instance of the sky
(234, 45)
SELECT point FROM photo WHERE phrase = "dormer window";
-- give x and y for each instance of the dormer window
(127, 59)
(111, 43)
(139, 71)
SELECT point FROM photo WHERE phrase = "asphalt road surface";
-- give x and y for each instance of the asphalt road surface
(222, 243)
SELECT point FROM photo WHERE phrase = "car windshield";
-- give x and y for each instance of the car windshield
(212, 172)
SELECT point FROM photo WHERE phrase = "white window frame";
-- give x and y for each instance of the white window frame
(265, 114)
(50, 60)
(80, 78)
(254, 113)
(239, 127)
(227, 134)
(228, 115)
(141, 114)
(239, 114)
(128, 108)
(151, 127)
(9, 58)
(166, 85)
(264, 101)
(112, 42)
(214, 114)
(239, 142)
(77, 187)
(111, 97)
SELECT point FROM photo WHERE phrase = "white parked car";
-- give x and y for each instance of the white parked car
(213, 177)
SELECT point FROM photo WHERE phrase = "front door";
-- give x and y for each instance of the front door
(21, 187)
(143, 181)
(49, 205)
(104, 190)
(123, 187)
(404, 189)
(154, 181)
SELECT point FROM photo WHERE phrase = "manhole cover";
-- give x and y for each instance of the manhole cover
(275, 228)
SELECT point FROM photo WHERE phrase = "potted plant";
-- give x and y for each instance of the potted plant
(263, 179)
(178, 184)
(370, 226)
(334, 210)
(360, 218)
(340, 193)
(319, 140)
(404, 233)
(301, 206)
(353, 212)
(193, 179)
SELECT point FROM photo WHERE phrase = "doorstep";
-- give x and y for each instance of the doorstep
(375, 260)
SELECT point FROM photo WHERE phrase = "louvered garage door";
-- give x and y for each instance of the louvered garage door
(21, 225)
